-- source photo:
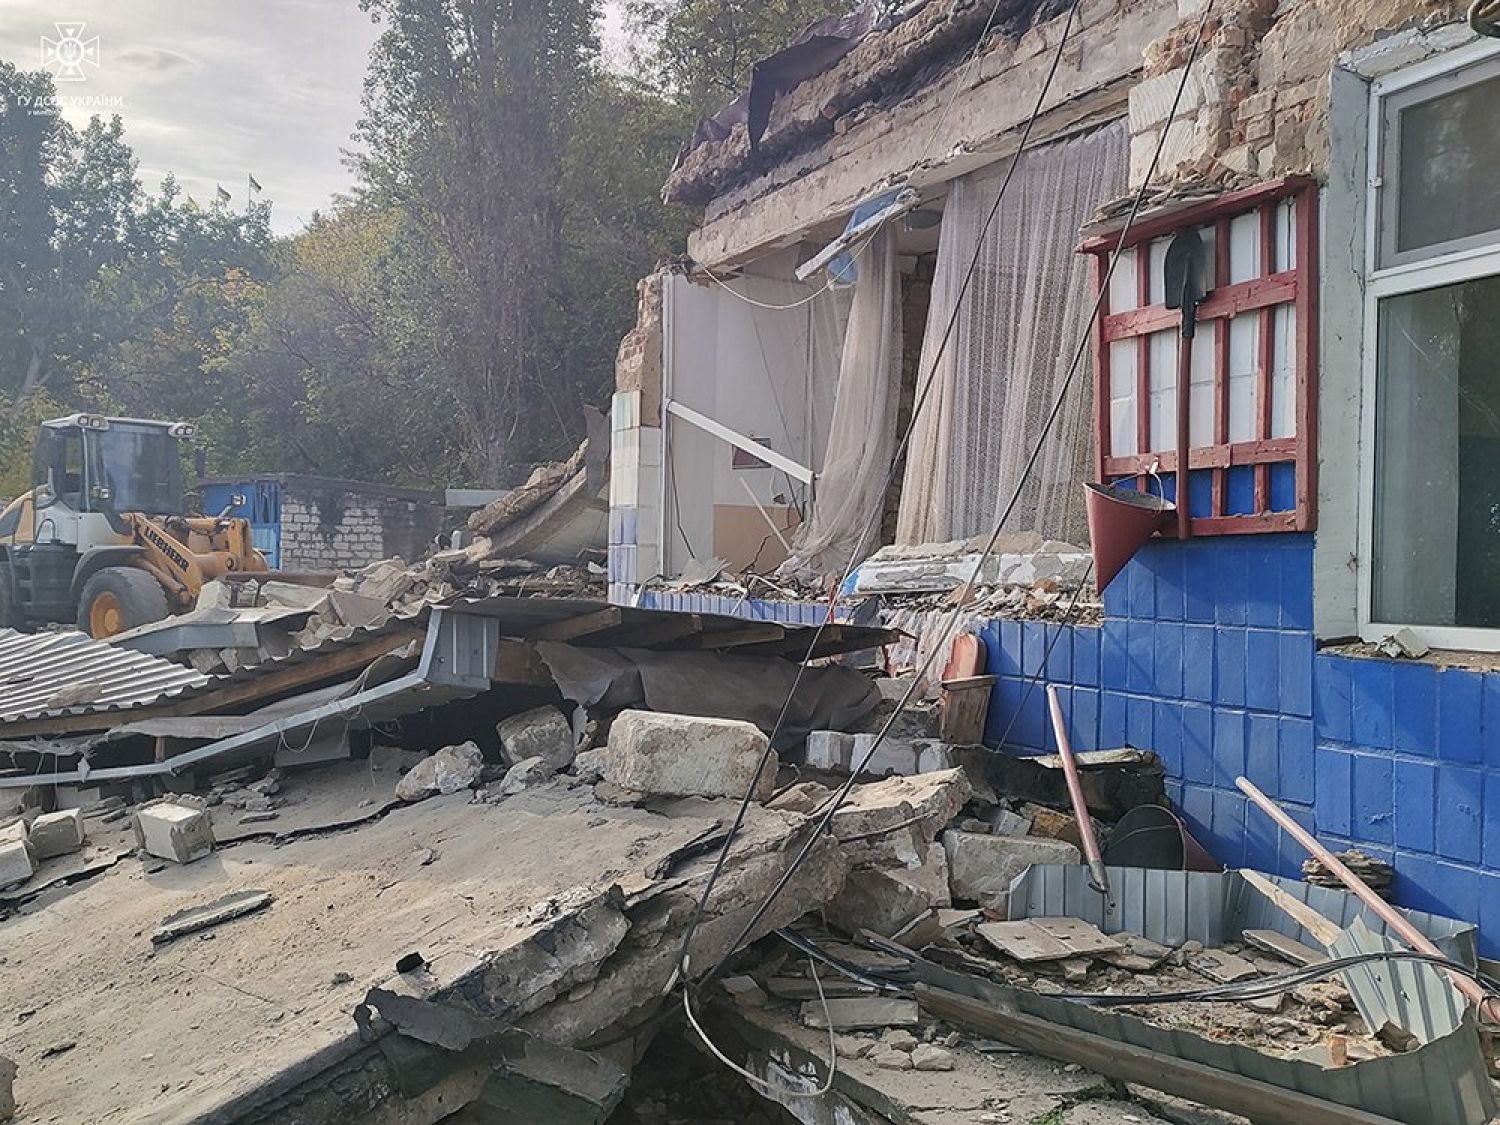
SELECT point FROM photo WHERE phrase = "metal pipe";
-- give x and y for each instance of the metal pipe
(1100, 876)
(1382, 909)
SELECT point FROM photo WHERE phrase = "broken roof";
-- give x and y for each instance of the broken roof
(837, 68)
(71, 673)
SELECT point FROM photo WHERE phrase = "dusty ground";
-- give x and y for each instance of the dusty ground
(104, 1027)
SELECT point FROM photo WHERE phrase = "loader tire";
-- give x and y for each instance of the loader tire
(10, 616)
(118, 599)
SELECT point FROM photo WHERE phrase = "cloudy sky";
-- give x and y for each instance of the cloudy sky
(213, 90)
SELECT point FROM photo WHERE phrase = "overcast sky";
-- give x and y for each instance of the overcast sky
(213, 90)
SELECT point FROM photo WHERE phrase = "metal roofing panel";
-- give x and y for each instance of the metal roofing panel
(35, 668)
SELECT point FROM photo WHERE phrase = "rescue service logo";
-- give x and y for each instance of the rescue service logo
(68, 54)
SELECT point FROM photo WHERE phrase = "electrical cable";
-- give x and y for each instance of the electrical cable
(877, 515)
(843, 793)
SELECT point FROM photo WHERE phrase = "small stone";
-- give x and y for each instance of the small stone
(898, 1038)
(744, 992)
(450, 770)
(341, 978)
(527, 775)
(852, 1047)
(928, 1057)
(539, 733)
(890, 1058)
(1072, 1068)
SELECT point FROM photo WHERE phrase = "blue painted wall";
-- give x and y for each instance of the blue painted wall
(1206, 656)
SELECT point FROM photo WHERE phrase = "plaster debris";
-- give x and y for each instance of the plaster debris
(984, 865)
(450, 770)
(178, 832)
(58, 833)
(540, 733)
(688, 756)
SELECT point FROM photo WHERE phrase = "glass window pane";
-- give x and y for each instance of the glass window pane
(1448, 167)
(1436, 558)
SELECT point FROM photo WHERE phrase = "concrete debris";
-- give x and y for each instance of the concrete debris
(450, 770)
(1404, 642)
(744, 991)
(175, 831)
(980, 866)
(687, 756)
(893, 822)
(524, 775)
(876, 901)
(928, 1057)
(17, 861)
(58, 833)
(196, 918)
(861, 1013)
(540, 733)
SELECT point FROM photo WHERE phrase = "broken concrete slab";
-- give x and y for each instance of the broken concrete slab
(17, 862)
(892, 822)
(181, 833)
(543, 732)
(861, 1013)
(58, 833)
(688, 756)
(451, 769)
(526, 774)
(221, 910)
(981, 864)
(874, 900)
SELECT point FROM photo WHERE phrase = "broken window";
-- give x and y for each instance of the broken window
(1251, 360)
(1432, 549)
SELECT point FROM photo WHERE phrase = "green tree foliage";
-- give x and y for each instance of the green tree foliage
(702, 51)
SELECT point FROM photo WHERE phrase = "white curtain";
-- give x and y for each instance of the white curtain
(862, 434)
(1017, 330)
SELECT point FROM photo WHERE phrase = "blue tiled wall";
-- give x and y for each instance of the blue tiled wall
(1206, 655)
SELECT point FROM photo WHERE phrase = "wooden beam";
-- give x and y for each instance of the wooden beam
(575, 627)
(1262, 1102)
(304, 673)
(1323, 929)
(661, 632)
(735, 638)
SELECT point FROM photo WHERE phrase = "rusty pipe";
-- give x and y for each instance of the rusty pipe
(1099, 876)
(1387, 913)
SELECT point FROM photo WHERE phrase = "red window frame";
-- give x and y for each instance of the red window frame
(1264, 294)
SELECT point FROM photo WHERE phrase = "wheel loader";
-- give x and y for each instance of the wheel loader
(102, 539)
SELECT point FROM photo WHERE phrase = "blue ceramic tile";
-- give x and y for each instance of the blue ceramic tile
(1489, 914)
(1333, 772)
(1142, 585)
(1460, 696)
(1296, 761)
(1060, 658)
(1231, 582)
(1034, 636)
(1167, 662)
(1086, 646)
(1198, 663)
(1140, 643)
(1263, 591)
(1262, 762)
(1112, 724)
(1083, 720)
(1114, 662)
(1229, 827)
(1169, 584)
(1490, 741)
(1331, 705)
(1010, 648)
(1166, 735)
(1262, 670)
(1229, 746)
(1297, 586)
(1290, 853)
(1414, 691)
(1138, 715)
(1417, 882)
(1460, 806)
(1295, 671)
(1198, 810)
(1370, 695)
(1491, 845)
(1197, 744)
(1372, 799)
(1262, 840)
(1229, 667)
(1414, 785)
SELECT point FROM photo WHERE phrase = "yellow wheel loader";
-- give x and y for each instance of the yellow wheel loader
(102, 540)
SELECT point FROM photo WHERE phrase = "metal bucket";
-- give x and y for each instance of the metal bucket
(1155, 837)
(1120, 520)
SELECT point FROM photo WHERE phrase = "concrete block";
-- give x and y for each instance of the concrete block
(55, 834)
(930, 877)
(688, 756)
(980, 864)
(892, 822)
(17, 863)
(450, 770)
(829, 750)
(540, 733)
(933, 755)
(891, 756)
(877, 901)
(173, 831)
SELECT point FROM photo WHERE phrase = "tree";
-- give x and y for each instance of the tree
(702, 51)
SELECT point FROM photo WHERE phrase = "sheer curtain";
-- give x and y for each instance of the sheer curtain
(862, 433)
(1012, 346)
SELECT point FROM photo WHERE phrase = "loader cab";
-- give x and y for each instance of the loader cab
(87, 466)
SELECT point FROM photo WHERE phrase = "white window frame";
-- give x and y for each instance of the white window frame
(1466, 260)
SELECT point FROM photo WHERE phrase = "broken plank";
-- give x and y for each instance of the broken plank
(1288, 949)
(735, 638)
(658, 632)
(1324, 930)
(1047, 939)
(1222, 966)
(575, 627)
(1263, 1102)
(221, 910)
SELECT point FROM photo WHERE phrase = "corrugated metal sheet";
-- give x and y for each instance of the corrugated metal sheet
(1442, 1082)
(35, 668)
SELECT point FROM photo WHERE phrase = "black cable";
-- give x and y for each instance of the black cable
(1083, 343)
(878, 514)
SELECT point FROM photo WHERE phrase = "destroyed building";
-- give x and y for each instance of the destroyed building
(1326, 625)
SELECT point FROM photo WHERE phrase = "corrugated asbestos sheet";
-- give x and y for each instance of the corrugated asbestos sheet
(34, 669)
